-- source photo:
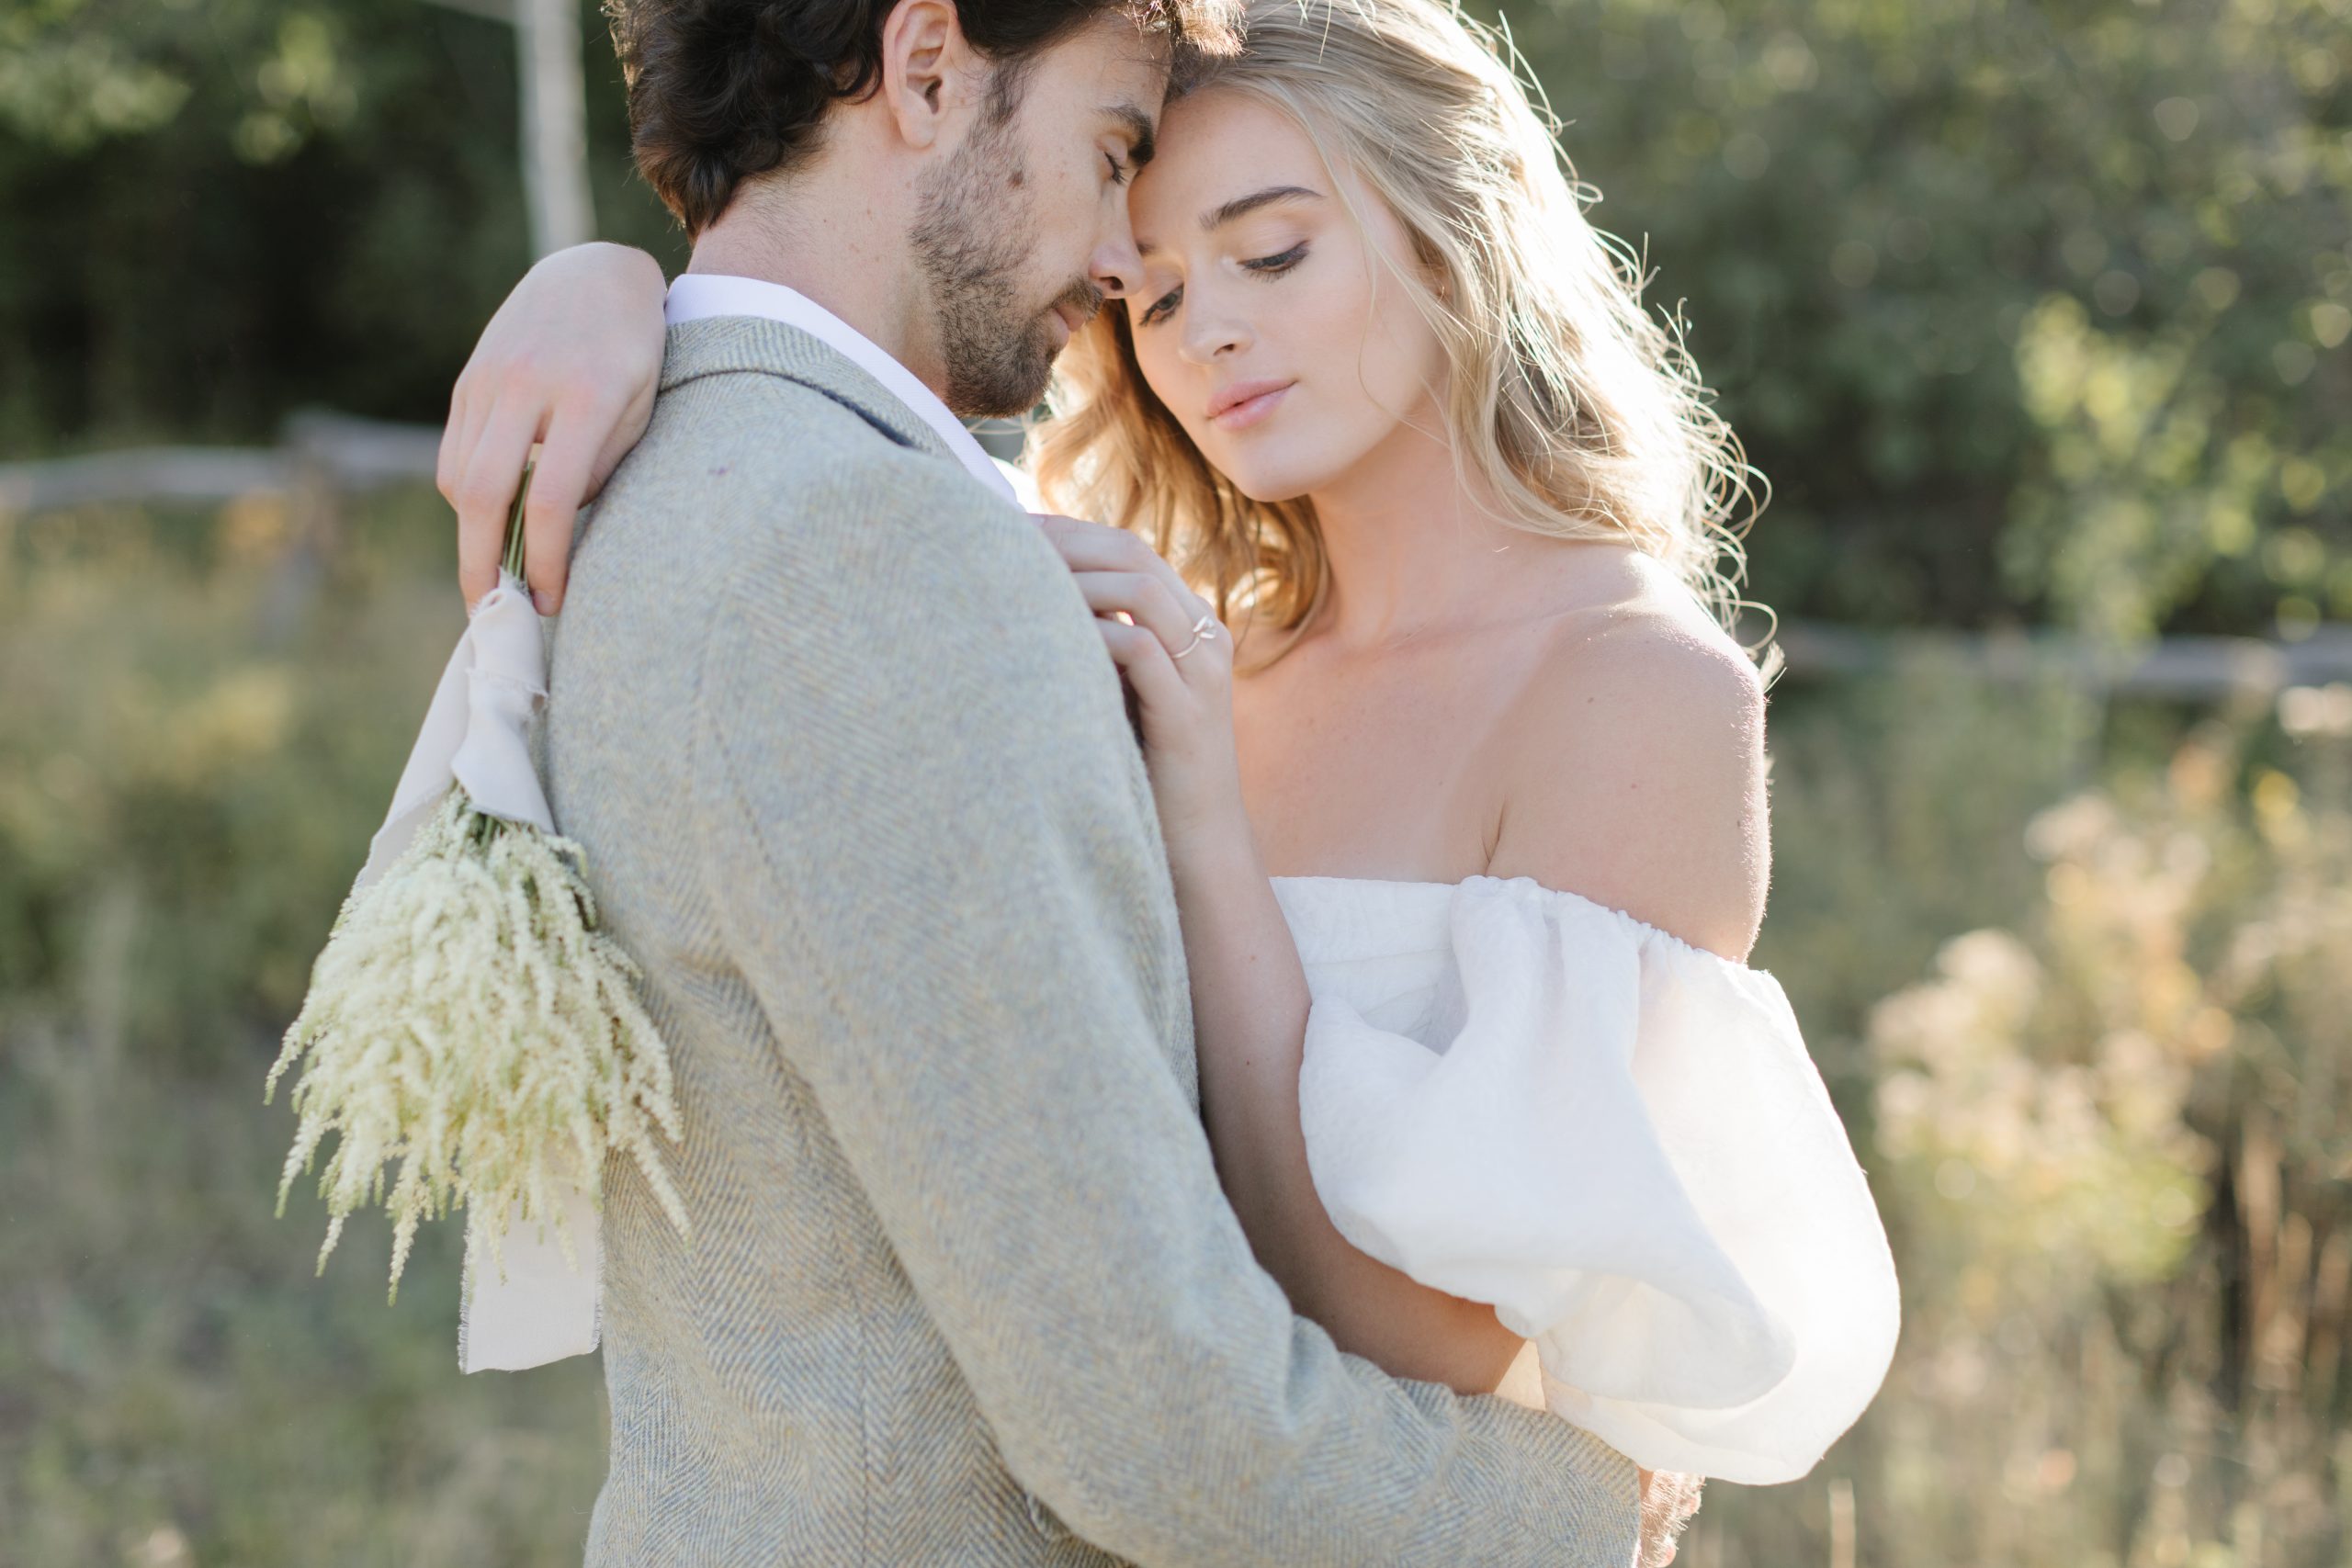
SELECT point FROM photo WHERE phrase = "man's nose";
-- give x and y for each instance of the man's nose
(1116, 267)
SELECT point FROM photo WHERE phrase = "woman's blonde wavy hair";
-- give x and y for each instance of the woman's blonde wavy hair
(1570, 405)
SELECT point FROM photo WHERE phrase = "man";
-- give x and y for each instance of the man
(853, 778)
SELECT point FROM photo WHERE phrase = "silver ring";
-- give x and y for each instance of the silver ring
(1204, 630)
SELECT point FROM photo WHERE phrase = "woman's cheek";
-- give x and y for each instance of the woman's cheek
(1405, 360)
(1160, 376)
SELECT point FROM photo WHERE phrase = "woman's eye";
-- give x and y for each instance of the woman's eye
(1161, 307)
(1275, 267)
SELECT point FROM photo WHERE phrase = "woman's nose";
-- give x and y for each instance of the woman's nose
(1212, 332)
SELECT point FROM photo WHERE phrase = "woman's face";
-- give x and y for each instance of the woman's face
(1267, 321)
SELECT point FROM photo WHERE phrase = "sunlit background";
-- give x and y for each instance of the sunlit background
(2035, 315)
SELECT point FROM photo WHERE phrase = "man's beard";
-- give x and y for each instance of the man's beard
(972, 237)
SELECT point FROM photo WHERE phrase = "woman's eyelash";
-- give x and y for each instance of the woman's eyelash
(1265, 267)
(1275, 267)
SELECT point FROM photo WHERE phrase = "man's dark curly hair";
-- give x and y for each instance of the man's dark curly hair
(722, 90)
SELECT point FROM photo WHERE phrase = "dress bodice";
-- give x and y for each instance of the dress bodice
(1520, 1096)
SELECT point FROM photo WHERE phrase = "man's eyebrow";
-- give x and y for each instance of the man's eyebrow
(1242, 206)
(1141, 141)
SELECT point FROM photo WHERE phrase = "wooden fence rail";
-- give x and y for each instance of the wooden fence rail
(324, 455)
(2193, 668)
(347, 453)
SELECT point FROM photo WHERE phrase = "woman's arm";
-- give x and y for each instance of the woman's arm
(1635, 774)
(570, 363)
(1666, 819)
(1250, 1007)
(1250, 994)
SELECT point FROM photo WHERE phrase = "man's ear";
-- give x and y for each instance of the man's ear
(929, 73)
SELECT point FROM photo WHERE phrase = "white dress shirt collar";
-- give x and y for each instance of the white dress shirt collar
(697, 295)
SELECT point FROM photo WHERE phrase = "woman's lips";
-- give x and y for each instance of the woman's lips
(1239, 407)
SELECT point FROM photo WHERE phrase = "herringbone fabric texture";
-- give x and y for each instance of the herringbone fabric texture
(854, 781)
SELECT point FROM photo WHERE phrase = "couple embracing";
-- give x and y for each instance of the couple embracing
(1217, 1033)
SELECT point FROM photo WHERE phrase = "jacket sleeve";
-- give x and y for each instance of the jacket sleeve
(924, 822)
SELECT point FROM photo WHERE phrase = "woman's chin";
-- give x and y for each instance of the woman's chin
(1269, 475)
(1267, 486)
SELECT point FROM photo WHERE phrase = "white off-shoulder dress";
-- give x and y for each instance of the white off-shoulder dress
(1522, 1097)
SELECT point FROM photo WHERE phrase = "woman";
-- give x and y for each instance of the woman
(1487, 1080)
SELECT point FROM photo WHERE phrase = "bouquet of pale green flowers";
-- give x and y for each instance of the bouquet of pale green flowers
(469, 1017)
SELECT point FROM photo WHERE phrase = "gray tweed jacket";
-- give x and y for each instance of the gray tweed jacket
(854, 781)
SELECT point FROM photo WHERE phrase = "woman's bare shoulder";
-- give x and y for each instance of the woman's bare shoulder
(1632, 767)
(1629, 647)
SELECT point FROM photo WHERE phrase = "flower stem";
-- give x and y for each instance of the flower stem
(513, 558)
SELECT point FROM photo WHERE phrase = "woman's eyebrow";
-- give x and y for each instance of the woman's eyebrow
(1239, 206)
(1242, 206)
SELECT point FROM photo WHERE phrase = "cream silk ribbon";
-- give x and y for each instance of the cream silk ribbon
(477, 735)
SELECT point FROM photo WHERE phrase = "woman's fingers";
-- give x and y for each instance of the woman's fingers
(457, 438)
(1152, 605)
(560, 485)
(586, 441)
(486, 493)
(1098, 546)
(571, 359)
(635, 415)
(1143, 658)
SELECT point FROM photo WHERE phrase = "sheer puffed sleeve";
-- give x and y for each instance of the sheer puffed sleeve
(1620, 1140)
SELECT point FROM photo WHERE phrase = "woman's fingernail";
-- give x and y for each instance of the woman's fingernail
(544, 601)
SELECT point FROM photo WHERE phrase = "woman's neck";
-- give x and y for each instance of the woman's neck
(1413, 552)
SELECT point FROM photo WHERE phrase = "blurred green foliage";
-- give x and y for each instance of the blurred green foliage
(2030, 312)
(189, 772)
(220, 209)
(2075, 972)
(2119, 1132)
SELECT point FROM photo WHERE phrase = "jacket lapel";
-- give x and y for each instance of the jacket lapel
(720, 346)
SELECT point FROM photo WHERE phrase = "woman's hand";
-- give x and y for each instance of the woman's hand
(571, 362)
(1179, 662)
(1668, 1499)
